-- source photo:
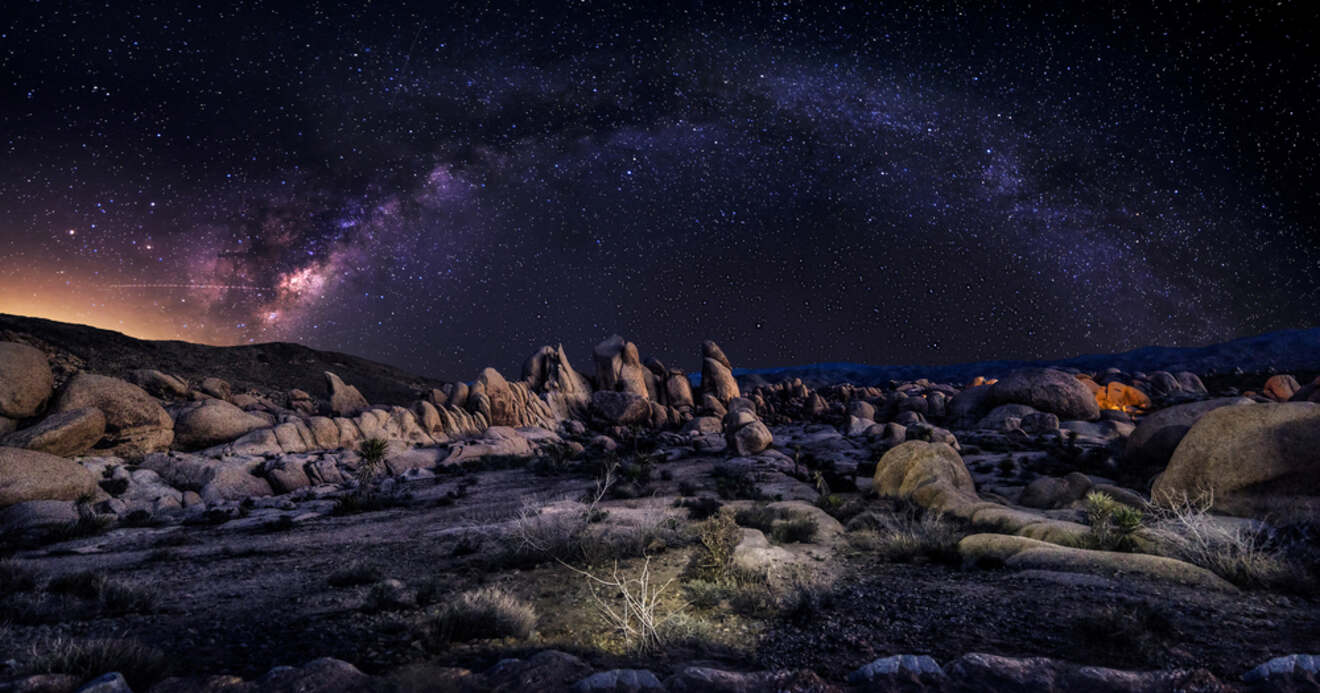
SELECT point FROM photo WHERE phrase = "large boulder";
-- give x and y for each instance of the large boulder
(135, 423)
(619, 367)
(345, 400)
(970, 405)
(1262, 460)
(507, 404)
(549, 373)
(27, 475)
(621, 408)
(26, 381)
(1155, 438)
(1047, 389)
(212, 422)
(747, 438)
(931, 474)
(716, 374)
(65, 434)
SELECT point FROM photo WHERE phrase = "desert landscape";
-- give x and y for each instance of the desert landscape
(639, 527)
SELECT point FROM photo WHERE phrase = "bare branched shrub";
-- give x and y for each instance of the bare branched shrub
(1244, 555)
(633, 606)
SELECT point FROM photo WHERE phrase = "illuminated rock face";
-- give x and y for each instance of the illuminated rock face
(1117, 396)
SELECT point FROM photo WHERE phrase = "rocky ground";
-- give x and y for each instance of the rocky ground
(1029, 530)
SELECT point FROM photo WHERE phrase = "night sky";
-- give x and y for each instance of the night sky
(445, 187)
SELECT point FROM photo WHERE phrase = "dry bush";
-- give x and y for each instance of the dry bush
(140, 664)
(906, 535)
(633, 606)
(1256, 557)
(479, 614)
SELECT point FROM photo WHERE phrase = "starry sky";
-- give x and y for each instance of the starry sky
(445, 186)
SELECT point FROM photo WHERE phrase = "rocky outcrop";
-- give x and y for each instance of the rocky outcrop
(717, 374)
(1258, 459)
(345, 400)
(27, 475)
(931, 474)
(548, 373)
(745, 433)
(1046, 389)
(26, 381)
(619, 367)
(65, 434)
(1023, 553)
(1281, 388)
(212, 422)
(508, 404)
(1155, 438)
(135, 423)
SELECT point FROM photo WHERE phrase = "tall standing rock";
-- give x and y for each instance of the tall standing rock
(619, 367)
(345, 400)
(566, 391)
(135, 423)
(717, 374)
(25, 380)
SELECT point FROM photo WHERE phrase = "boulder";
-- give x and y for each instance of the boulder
(1281, 388)
(212, 422)
(931, 474)
(1049, 492)
(345, 400)
(1023, 553)
(35, 518)
(1190, 382)
(1163, 384)
(158, 384)
(65, 434)
(1047, 389)
(135, 423)
(1000, 418)
(548, 372)
(970, 405)
(989, 673)
(26, 381)
(28, 475)
(620, 681)
(619, 367)
(508, 404)
(1256, 460)
(621, 408)
(750, 439)
(217, 388)
(1154, 439)
(678, 390)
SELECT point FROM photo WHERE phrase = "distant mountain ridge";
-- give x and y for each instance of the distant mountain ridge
(1284, 350)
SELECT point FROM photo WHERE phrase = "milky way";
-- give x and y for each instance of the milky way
(446, 189)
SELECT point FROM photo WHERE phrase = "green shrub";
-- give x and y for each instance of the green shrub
(1113, 525)
(906, 535)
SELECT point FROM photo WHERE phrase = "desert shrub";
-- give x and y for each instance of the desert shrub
(1252, 557)
(800, 529)
(908, 534)
(140, 664)
(1113, 524)
(85, 584)
(717, 537)
(804, 600)
(759, 517)
(16, 577)
(704, 594)
(479, 614)
(753, 598)
(581, 539)
(699, 508)
(372, 451)
(353, 575)
(118, 597)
